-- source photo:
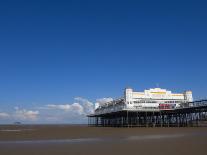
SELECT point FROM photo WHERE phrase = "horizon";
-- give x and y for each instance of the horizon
(59, 58)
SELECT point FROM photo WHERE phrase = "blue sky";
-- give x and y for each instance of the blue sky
(52, 52)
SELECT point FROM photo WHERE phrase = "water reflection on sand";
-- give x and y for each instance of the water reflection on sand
(148, 137)
(48, 141)
(15, 130)
(105, 139)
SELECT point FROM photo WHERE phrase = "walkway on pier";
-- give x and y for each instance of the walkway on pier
(178, 117)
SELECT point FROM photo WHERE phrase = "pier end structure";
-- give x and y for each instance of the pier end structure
(153, 107)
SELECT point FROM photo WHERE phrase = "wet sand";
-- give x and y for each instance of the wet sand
(83, 140)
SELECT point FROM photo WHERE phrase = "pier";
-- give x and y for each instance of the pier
(190, 115)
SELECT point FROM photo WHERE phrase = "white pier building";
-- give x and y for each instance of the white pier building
(151, 100)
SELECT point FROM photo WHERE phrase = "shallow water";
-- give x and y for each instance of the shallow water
(105, 139)
(150, 137)
(48, 141)
(15, 130)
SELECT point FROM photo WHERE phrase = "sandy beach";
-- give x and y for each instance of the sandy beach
(82, 140)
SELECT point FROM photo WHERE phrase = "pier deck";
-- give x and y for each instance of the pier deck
(178, 117)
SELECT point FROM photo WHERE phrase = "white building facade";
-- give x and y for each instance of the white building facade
(156, 98)
(148, 100)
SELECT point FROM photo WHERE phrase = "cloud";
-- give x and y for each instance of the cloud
(81, 106)
(65, 107)
(88, 107)
(4, 115)
(102, 101)
(73, 108)
(23, 114)
(74, 112)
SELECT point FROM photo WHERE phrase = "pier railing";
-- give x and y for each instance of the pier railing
(120, 107)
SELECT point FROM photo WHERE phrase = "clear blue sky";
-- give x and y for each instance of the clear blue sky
(53, 51)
